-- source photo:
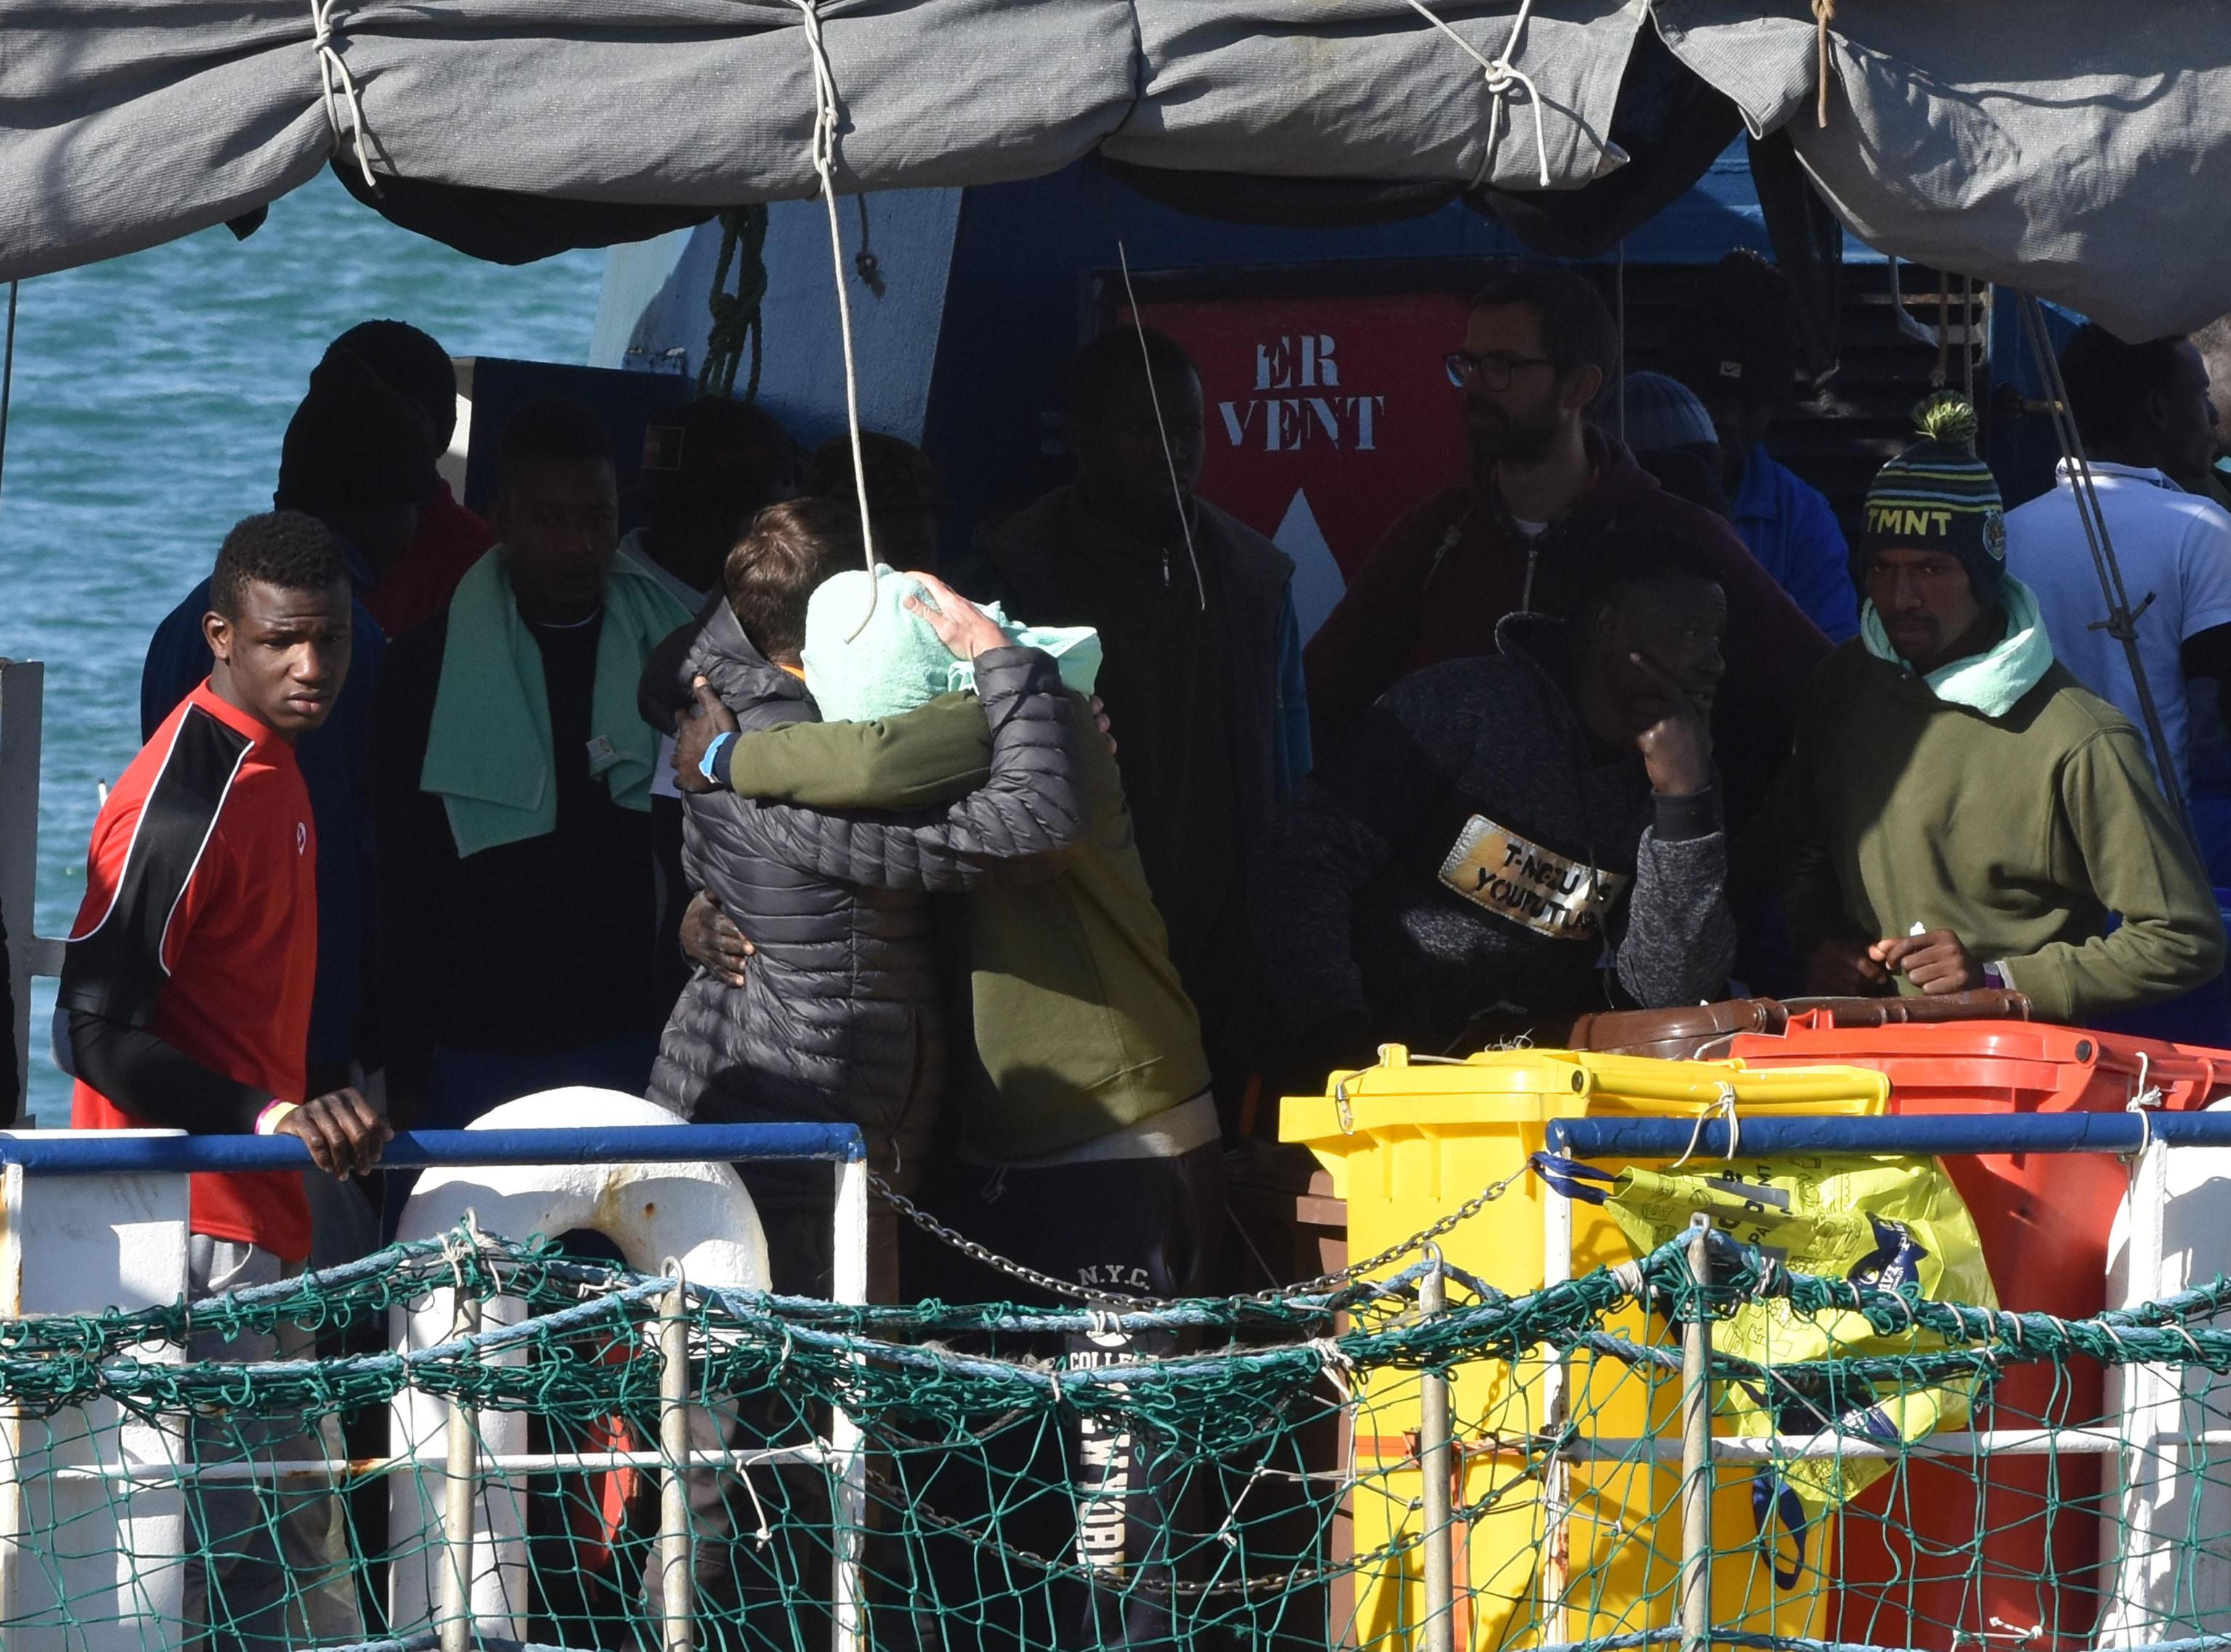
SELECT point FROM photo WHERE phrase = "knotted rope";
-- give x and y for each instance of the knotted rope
(1502, 76)
(736, 315)
(339, 87)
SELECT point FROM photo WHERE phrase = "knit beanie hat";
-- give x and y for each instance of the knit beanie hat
(1937, 495)
(1661, 412)
(354, 444)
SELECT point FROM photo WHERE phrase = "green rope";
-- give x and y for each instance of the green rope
(736, 325)
(972, 1414)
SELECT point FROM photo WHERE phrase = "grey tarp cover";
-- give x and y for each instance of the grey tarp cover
(2051, 143)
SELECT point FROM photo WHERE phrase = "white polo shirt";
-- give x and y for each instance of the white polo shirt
(2175, 545)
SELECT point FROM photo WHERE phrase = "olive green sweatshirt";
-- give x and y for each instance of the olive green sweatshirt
(2022, 834)
(1081, 1026)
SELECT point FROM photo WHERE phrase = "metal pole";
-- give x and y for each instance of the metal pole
(845, 1437)
(1434, 1453)
(462, 1476)
(2122, 620)
(7, 393)
(1697, 1452)
(673, 1535)
(1556, 1473)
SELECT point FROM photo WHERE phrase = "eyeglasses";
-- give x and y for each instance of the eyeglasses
(1494, 370)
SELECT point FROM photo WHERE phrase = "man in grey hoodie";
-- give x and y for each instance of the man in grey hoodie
(1512, 837)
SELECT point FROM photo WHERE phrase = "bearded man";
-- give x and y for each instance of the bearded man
(1546, 484)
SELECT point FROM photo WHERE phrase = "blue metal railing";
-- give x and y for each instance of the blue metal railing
(1965, 1132)
(96, 1154)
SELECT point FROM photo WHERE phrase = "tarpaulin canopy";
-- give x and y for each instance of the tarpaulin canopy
(2077, 151)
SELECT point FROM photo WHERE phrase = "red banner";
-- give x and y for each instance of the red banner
(1327, 418)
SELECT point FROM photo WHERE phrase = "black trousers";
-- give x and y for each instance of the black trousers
(1082, 1490)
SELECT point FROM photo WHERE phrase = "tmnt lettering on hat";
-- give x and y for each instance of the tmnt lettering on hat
(1937, 495)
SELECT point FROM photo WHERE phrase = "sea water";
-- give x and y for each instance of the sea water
(150, 396)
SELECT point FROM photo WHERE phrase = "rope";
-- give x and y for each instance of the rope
(736, 321)
(1823, 13)
(340, 85)
(827, 113)
(1161, 427)
(1502, 75)
(7, 373)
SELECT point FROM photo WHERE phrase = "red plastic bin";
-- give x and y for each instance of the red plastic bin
(2044, 1220)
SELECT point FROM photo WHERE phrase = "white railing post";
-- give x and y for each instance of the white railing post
(1555, 1572)
(845, 1437)
(1436, 1473)
(1696, 1449)
(461, 1481)
(677, 1574)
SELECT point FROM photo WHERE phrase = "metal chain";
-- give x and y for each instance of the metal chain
(1319, 1285)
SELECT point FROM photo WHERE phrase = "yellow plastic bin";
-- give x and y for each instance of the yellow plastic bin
(1407, 1144)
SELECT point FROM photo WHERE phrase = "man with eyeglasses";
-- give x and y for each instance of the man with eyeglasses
(1545, 485)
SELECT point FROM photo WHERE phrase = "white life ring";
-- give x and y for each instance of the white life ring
(698, 1213)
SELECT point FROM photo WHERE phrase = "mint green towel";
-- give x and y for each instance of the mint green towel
(487, 753)
(1992, 681)
(896, 663)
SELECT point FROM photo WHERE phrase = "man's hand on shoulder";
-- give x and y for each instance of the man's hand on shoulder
(693, 734)
(1676, 743)
(344, 1133)
(1936, 961)
(710, 939)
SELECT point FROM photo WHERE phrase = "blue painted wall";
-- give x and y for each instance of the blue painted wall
(987, 290)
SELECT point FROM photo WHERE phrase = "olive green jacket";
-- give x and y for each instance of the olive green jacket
(1081, 1026)
(2022, 834)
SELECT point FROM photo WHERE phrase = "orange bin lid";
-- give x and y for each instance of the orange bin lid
(1991, 1066)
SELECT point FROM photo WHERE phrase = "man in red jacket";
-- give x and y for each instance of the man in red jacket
(187, 989)
(1538, 348)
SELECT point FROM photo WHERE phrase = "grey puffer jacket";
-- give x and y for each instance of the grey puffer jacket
(839, 1017)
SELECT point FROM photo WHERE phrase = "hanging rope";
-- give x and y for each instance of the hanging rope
(339, 88)
(2122, 620)
(736, 315)
(1620, 290)
(1823, 13)
(1501, 77)
(824, 153)
(7, 373)
(1161, 427)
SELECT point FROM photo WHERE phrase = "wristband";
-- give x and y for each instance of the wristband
(276, 1113)
(713, 765)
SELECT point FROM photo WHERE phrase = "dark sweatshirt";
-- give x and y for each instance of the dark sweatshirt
(1435, 866)
(554, 943)
(1435, 586)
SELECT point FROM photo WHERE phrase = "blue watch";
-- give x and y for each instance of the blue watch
(713, 765)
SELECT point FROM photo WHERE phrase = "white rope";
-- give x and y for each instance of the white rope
(340, 85)
(1334, 1363)
(1502, 75)
(823, 152)
(1161, 427)
(1723, 1106)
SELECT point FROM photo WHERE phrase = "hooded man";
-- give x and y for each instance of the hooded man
(1734, 344)
(1515, 535)
(1959, 812)
(1202, 668)
(449, 538)
(1467, 854)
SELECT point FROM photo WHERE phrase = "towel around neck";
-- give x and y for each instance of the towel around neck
(488, 752)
